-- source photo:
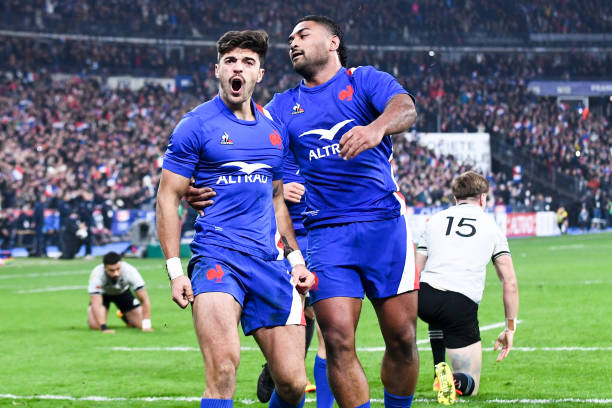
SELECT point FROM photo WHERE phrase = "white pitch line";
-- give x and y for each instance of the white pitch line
(245, 401)
(564, 247)
(44, 275)
(483, 328)
(52, 289)
(360, 349)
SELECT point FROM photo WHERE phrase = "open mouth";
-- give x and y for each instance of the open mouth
(236, 84)
(296, 54)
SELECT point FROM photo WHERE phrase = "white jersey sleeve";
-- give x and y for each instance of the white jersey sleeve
(132, 276)
(459, 243)
(96, 281)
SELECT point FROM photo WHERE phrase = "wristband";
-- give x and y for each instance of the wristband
(146, 324)
(510, 325)
(103, 326)
(174, 267)
(296, 258)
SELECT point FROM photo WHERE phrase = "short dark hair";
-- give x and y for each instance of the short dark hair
(469, 184)
(254, 40)
(111, 258)
(334, 29)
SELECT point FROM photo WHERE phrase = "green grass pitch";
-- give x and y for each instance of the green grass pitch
(49, 358)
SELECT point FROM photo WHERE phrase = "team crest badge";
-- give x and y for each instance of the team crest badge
(297, 109)
(225, 139)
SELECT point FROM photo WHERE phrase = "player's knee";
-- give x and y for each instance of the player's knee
(223, 376)
(403, 346)
(339, 342)
(291, 388)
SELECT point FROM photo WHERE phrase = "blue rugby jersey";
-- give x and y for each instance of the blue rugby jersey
(291, 174)
(341, 191)
(239, 159)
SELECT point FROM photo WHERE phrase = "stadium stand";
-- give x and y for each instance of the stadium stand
(64, 130)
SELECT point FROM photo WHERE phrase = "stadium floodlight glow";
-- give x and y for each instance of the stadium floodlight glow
(610, 98)
(432, 53)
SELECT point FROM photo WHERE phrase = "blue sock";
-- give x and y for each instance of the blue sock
(397, 401)
(216, 403)
(325, 398)
(366, 405)
(277, 402)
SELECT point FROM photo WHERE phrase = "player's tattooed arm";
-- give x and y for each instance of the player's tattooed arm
(283, 220)
(287, 249)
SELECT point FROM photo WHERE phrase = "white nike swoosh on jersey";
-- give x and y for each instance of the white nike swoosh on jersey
(247, 168)
(328, 134)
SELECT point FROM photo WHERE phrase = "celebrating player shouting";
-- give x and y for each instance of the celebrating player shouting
(234, 273)
(339, 124)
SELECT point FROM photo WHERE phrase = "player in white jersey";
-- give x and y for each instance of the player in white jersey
(110, 282)
(452, 256)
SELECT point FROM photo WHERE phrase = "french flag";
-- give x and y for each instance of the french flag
(17, 173)
(517, 174)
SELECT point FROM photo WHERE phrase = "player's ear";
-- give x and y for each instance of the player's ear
(217, 75)
(334, 43)
(260, 75)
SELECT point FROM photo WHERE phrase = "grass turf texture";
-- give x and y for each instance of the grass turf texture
(565, 288)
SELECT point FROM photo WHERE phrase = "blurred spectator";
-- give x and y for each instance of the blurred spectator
(74, 236)
(40, 242)
(584, 218)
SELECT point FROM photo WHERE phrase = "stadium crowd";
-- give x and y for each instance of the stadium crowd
(365, 22)
(75, 140)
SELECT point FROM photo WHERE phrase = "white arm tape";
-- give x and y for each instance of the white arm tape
(146, 324)
(296, 258)
(174, 267)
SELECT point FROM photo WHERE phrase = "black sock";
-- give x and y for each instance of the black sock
(310, 328)
(464, 383)
(436, 339)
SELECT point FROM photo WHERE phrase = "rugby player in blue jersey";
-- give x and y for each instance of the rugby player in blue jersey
(339, 124)
(236, 273)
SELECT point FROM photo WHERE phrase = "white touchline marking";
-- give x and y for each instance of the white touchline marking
(247, 401)
(52, 289)
(361, 349)
(562, 247)
(482, 328)
(44, 275)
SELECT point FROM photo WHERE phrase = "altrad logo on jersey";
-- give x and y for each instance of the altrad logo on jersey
(247, 177)
(326, 134)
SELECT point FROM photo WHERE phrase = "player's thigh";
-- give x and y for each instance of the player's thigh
(338, 318)
(452, 312)
(272, 299)
(331, 258)
(467, 360)
(386, 257)
(215, 317)
(283, 347)
(126, 302)
(397, 317)
(134, 316)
